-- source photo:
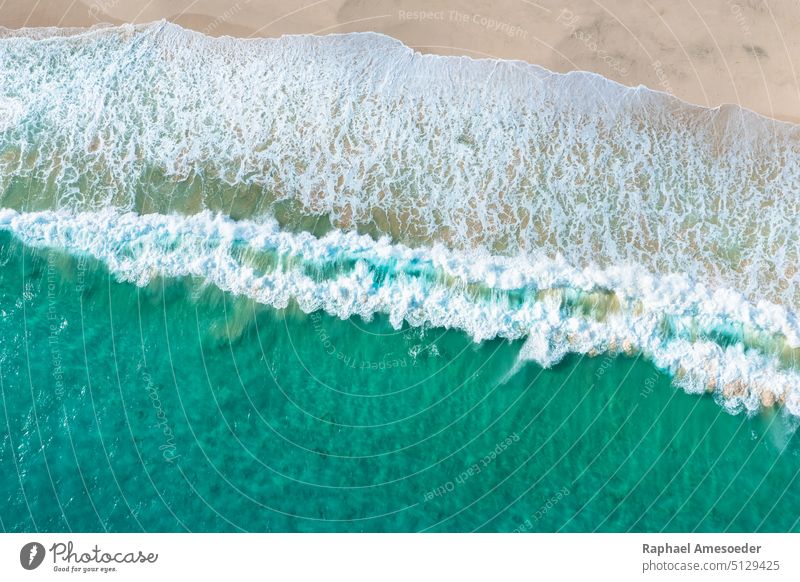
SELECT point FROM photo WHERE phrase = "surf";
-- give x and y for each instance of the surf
(557, 309)
(351, 174)
(363, 132)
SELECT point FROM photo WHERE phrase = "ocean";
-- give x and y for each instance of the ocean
(331, 284)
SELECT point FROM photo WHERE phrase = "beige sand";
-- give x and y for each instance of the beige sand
(707, 52)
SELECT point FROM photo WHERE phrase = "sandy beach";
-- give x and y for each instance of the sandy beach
(709, 53)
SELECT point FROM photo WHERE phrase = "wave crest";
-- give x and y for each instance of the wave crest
(497, 155)
(555, 307)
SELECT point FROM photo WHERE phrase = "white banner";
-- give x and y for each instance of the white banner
(401, 557)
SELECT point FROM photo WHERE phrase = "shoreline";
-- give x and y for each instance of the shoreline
(6, 32)
(697, 141)
(729, 53)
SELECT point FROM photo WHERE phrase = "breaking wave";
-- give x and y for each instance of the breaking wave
(365, 132)
(494, 197)
(556, 308)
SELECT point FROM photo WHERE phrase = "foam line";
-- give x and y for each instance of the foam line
(498, 155)
(437, 287)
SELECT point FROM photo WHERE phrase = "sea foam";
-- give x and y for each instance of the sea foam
(482, 295)
(477, 154)
(504, 198)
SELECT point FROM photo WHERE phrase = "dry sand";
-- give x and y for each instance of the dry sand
(707, 52)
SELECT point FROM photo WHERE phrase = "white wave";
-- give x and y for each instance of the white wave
(11, 112)
(432, 287)
(490, 154)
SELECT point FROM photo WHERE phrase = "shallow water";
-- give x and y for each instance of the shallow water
(360, 129)
(278, 421)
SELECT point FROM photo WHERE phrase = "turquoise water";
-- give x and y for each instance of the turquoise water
(177, 407)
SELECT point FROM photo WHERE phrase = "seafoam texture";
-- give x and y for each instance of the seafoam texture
(485, 297)
(496, 175)
(493, 154)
